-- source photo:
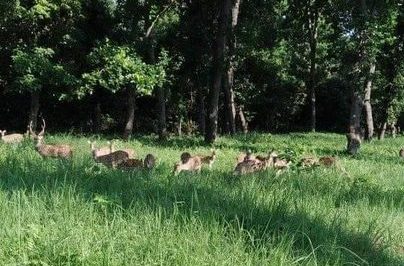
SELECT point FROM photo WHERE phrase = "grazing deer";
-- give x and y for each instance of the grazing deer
(401, 153)
(46, 150)
(113, 159)
(188, 163)
(100, 151)
(210, 159)
(11, 138)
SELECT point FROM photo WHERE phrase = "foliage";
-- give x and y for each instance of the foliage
(118, 68)
(36, 70)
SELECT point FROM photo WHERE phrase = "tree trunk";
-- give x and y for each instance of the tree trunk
(218, 67)
(368, 106)
(97, 118)
(354, 137)
(130, 114)
(382, 131)
(312, 86)
(162, 125)
(243, 120)
(229, 75)
(313, 16)
(201, 111)
(34, 109)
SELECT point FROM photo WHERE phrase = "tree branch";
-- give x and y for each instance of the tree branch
(159, 15)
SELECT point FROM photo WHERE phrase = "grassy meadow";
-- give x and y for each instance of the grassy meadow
(55, 212)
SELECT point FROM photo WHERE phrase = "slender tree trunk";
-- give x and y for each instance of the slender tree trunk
(218, 67)
(97, 117)
(131, 105)
(382, 131)
(161, 99)
(313, 32)
(312, 87)
(243, 120)
(354, 137)
(368, 106)
(201, 111)
(34, 109)
(228, 81)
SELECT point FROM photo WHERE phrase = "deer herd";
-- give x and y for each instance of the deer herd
(124, 159)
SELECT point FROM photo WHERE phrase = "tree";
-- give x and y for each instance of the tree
(35, 71)
(228, 80)
(119, 68)
(218, 70)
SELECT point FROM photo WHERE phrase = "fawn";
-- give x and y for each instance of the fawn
(401, 153)
(46, 150)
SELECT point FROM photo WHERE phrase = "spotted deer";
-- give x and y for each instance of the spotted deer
(148, 163)
(188, 163)
(113, 159)
(245, 156)
(46, 150)
(210, 159)
(249, 166)
(11, 138)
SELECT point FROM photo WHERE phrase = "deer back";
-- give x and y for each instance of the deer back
(12, 138)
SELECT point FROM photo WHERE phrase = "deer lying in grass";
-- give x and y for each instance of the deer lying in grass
(209, 159)
(130, 152)
(245, 156)
(113, 159)
(327, 161)
(188, 163)
(97, 152)
(11, 138)
(148, 163)
(401, 153)
(311, 161)
(46, 150)
(251, 164)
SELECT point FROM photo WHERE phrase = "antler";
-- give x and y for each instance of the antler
(43, 128)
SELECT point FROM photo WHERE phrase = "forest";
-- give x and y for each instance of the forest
(190, 132)
(203, 67)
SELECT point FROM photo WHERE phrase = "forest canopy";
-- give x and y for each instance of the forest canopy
(203, 67)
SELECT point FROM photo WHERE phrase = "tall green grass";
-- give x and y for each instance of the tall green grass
(76, 212)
